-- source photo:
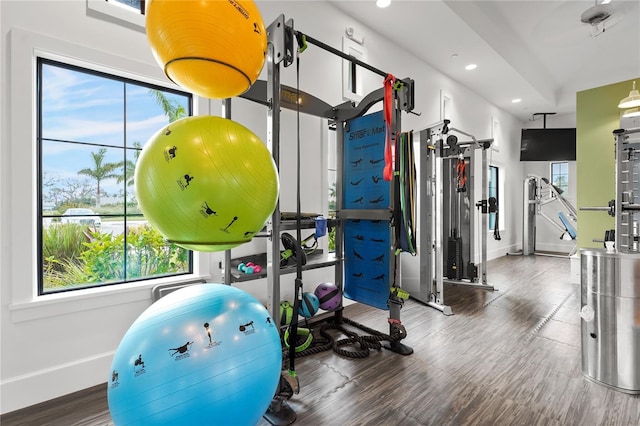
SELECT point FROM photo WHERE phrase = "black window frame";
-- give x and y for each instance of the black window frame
(492, 216)
(40, 61)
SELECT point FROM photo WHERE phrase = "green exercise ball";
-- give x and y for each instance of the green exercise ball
(206, 183)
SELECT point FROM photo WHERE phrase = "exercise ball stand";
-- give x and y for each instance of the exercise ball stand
(280, 413)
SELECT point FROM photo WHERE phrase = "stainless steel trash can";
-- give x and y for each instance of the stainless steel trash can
(610, 295)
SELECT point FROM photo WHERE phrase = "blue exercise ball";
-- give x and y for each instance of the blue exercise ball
(203, 354)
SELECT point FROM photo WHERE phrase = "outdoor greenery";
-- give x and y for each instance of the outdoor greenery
(60, 194)
(61, 244)
(561, 182)
(331, 236)
(75, 255)
(130, 166)
(101, 171)
(331, 239)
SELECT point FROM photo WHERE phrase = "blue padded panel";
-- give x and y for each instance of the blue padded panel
(366, 242)
(363, 186)
(366, 262)
(567, 225)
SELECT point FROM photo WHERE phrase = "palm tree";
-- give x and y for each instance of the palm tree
(101, 171)
(129, 167)
(173, 111)
(171, 108)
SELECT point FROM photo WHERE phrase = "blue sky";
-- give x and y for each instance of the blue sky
(86, 108)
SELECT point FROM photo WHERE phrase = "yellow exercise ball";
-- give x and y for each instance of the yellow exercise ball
(206, 183)
(213, 48)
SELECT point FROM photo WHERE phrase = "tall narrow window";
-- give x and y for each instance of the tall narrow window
(353, 78)
(331, 184)
(560, 175)
(493, 192)
(352, 88)
(91, 129)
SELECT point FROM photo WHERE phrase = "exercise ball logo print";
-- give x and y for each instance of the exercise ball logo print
(206, 183)
(202, 355)
(214, 48)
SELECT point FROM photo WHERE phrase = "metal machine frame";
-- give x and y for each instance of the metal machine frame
(627, 203)
(435, 155)
(281, 52)
(537, 195)
(275, 96)
(625, 208)
(610, 297)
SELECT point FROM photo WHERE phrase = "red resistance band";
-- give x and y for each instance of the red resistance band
(387, 173)
(461, 175)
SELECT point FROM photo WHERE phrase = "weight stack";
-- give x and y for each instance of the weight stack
(454, 258)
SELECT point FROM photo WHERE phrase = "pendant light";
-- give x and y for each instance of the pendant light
(631, 101)
(631, 112)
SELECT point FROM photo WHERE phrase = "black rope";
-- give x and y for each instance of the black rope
(293, 326)
(359, 346)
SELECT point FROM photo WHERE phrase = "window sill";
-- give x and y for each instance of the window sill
(90, 299)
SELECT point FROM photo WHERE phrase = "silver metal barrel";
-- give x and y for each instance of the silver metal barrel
(610, 314)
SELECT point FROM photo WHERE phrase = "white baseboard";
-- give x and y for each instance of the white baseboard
(42, 385)
(501, 251)
(561, 247)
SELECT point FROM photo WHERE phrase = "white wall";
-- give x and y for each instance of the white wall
(59, 344)
(547, 236)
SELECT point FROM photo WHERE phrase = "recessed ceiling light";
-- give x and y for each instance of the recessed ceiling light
(471, 67)
(516, 100)
(383, 3)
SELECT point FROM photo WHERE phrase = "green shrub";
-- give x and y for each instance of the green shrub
(70, 273)
(149, 254)
(76, 256)
(104, 258)
(62, 243)
(331, 239)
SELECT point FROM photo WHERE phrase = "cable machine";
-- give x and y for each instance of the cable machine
(539, 192)
(397, 96)
(449, 208)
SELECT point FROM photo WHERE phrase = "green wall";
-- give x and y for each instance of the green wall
(597, 116)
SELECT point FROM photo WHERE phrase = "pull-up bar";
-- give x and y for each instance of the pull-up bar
(305, 38)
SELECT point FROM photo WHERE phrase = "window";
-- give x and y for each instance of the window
(331, 184)
(496, 189)
(493, 192)
(128, 13)
(135, 5)
(560, 175)
(352, 88)
(91, 128)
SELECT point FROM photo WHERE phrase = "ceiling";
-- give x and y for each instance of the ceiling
(538, 51)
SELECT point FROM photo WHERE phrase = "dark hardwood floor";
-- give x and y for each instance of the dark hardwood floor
(509, 357)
